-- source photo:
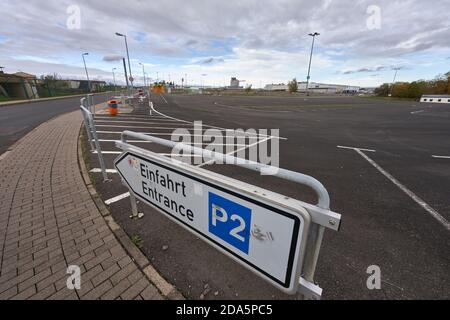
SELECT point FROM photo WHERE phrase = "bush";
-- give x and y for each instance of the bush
(293, 85)
(415, 89)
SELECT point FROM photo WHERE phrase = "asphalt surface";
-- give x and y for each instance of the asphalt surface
(18, 119)
(383, 224)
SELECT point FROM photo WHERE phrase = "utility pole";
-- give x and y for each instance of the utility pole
(85, 68)
(313, 35)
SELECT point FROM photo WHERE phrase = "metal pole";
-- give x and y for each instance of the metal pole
(126, 75)
(86, 125)
(393, 81)
(128, 57)
(114, 78)
(143, 73)
(313, 35)
(87, 74)
(97, 143)
(134, 210)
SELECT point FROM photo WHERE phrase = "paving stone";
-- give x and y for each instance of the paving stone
(48, 221)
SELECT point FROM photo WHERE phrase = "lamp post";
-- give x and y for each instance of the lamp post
(128, 56)
(143, 72)
(313, 35)
(114, 78)
(203, 80)
(126, 76)
(85, 68)
(393, 81)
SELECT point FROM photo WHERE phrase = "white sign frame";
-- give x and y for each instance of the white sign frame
(241, 190)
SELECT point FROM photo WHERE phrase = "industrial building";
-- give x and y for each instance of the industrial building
(276, 87)
(315, 87)
(235, 83)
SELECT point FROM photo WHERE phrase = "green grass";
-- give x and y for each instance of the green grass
(5, 99)
(137, 241)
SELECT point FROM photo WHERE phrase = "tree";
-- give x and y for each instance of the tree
(293, 85)
(248, 88)
(383, 90)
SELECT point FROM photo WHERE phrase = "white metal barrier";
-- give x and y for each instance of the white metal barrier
(320, 214)
(92, 135)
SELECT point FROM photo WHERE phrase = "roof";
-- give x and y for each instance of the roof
(24, 75)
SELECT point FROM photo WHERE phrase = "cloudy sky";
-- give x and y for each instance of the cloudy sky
(360, 42)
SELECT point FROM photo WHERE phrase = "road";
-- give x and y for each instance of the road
(393, 195)
(19, 119)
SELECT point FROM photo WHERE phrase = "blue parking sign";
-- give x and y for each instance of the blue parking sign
(230, 221)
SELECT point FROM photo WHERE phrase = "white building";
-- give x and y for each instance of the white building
(435, 98)
(276, 87)
(234, 83)
(315, 87)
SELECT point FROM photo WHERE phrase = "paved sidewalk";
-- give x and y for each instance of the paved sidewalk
(49, 221)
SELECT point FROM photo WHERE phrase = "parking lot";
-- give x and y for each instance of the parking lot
(386, 165)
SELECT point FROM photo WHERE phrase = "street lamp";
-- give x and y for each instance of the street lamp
(203, 80)
(143, 72)
(313, 35)
(114, 78)
(128, 56)
(393, 81)
(85, 68)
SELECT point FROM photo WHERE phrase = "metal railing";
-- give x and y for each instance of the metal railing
(92, 135)
(321, 216)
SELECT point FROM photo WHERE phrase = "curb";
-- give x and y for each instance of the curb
(10, 103)
(167, 290)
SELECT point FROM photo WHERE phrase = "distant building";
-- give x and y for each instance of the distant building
(435, 98)
(84, 84)
(18, 85)
(234, 84)
(276, 87)
(315, 87)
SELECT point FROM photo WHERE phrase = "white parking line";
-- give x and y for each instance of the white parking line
(132, 141)
(354, 148)
(214, 127)
(169, 134)
(107, 152)
(138, 122)
(99, 170)
(125, 119)
(140, 127)
(127, 194)
(441, 157)
(408, 192)
(164, 98)
(118, 198)
(419, 111)
(236, 151)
